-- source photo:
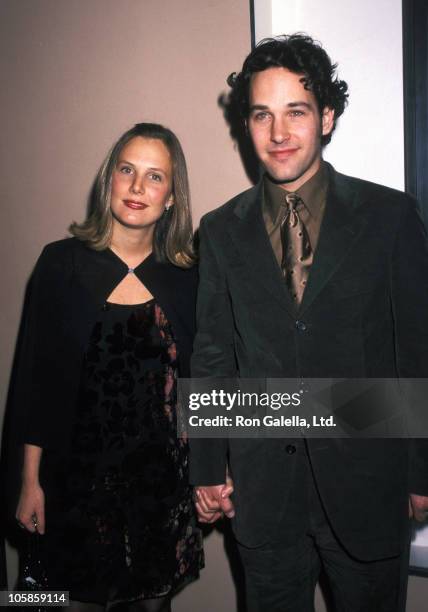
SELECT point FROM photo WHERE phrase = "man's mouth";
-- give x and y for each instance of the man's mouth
(281, 154)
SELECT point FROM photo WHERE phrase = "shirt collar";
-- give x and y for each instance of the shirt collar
(313, 194)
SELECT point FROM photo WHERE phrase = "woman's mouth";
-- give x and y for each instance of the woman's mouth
(134, 204)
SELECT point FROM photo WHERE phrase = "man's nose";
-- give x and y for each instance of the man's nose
(279, 130)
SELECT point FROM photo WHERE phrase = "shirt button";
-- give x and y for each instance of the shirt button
(301, 326)
(290, 449)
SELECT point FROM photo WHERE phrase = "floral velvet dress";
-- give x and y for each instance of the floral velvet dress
(119, 512)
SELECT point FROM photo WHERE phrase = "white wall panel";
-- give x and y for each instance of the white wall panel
(365, 38)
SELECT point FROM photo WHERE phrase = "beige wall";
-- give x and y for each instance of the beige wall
(74, 75)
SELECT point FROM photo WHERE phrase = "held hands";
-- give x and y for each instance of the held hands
(30, 512)
(418, 507)
(214, 501)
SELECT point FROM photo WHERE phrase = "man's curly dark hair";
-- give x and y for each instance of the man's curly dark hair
(300, 54)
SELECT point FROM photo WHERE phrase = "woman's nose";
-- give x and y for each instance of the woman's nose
(137, 185)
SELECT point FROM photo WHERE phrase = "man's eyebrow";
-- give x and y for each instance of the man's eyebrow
(258, 107)
(289, 105)
(299, 103)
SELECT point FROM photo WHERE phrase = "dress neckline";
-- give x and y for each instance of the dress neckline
(116, 305)
(137, 267)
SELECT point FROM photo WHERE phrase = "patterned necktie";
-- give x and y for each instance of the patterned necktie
(297, 254)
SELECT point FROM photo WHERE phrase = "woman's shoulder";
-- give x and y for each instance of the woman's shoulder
(182, 276)
(63, 247)
(166, 270)
(191, 272)
(59, 258)
(170, 283)
(64, 250)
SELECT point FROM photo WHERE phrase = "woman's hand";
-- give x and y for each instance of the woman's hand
(31, 508)
(30, 513)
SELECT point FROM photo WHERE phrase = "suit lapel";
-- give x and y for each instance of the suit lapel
(252, 241)
(340, 229)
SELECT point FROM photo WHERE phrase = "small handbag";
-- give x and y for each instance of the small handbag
(33, 576)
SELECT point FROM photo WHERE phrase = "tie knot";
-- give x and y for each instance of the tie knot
(292, 199)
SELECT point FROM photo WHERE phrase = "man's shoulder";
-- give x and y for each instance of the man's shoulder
(368, 190)
(228, 211)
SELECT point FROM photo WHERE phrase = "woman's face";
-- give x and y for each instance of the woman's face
(141, 184)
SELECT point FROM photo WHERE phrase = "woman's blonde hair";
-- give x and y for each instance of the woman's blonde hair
(172, 240)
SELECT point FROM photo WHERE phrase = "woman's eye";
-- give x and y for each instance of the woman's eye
(125, 170)
(155, 177)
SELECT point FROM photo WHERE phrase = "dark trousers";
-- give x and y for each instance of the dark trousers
(281, 577)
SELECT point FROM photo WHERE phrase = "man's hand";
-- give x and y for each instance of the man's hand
(418, 507)
(212, 502)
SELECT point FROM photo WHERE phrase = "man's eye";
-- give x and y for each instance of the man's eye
(261, 116)
(297, 113)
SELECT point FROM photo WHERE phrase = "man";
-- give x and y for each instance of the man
(311, 274)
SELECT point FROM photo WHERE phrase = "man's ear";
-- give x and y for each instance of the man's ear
(327, 120)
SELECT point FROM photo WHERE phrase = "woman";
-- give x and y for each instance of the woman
(107, 327)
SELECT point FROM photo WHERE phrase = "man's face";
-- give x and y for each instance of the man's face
(286, 127)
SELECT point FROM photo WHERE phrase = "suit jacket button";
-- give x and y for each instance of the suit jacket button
(301, 326)
(290, 449)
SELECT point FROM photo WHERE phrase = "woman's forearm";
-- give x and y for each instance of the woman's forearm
(31, 506)
(30, 470)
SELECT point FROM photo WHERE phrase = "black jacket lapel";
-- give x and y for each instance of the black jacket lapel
(252, 242)
(340, 228)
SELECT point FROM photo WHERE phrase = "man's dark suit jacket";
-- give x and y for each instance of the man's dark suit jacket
(365, 314)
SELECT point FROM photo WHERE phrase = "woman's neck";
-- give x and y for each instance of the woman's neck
(132, 246)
